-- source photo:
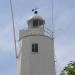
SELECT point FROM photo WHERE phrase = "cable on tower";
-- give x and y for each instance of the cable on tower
(14, 35)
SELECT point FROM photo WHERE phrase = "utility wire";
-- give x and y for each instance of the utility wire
(14, 36)
(53, 17)
(52, 11)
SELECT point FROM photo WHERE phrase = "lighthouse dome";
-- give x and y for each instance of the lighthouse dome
(35, 21)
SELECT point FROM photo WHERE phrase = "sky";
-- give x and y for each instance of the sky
(64, 28)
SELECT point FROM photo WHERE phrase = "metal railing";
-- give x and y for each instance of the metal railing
(48, 32)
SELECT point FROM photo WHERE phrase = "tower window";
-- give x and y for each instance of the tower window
(38, 22)
(35, 23)
(35, 47)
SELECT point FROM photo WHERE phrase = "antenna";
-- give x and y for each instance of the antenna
(14, 36)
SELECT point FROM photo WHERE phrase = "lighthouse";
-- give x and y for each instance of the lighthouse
(36, 48)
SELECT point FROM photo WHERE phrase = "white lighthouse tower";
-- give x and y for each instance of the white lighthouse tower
(36, 54)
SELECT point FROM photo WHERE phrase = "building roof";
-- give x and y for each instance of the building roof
(35, 16)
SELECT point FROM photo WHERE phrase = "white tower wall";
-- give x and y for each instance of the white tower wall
(40, 63)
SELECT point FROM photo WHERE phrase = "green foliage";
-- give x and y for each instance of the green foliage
(62, 72)
(69, 69)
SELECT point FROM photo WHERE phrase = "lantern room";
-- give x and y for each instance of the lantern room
(35, 21)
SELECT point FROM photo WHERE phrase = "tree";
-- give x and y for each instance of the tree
(62, 72)
(69, 69)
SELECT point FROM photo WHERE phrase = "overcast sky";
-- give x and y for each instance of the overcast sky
(64, 23)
